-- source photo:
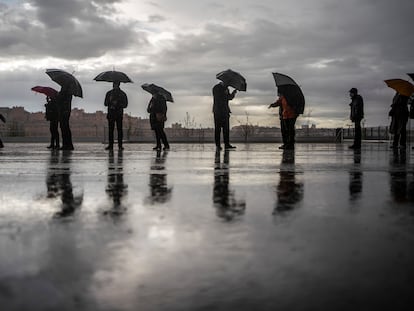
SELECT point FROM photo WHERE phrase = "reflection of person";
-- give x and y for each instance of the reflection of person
(221, 110)
(289, 191)
(2, 118)
(227, 206)
(398, 174)
(288, 120)
(116, 187)
(160, 192)
(355, 182)
(357, 114)
(52, 115)
(116, 100)
(157, 108)
(59, 184)
(64, 102)
(399, 118)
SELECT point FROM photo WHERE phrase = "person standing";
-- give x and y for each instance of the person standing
(157, 108)
(221, 110)
(116, 100)
(399, 117)
(64, 103)
(2, 118)
(288, 121)
(357, 114)
(52, 115)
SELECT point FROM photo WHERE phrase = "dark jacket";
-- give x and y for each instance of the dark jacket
(399, 113)
(64, 104)
(52, 110)
(116, 100)
(221, 96)
(357, 108)
(157, 108)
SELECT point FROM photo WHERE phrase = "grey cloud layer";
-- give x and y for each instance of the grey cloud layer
(73, 29)
(327, 46)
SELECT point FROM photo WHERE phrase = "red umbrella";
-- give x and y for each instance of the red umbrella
(48, 91)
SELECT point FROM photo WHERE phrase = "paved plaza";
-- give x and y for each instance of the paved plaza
(319, 228)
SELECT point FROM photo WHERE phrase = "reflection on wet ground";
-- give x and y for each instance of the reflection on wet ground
(192, 229)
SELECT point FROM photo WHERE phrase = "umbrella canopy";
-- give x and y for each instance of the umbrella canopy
(411, 75)
(48, 91)
(65, 79)
(155, 89)
(401, 86)
(233, 79)
(113, 76)
(291, 91)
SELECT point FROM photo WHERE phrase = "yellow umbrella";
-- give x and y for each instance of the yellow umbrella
(401, 86)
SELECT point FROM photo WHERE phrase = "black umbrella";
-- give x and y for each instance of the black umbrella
(113, 76)
(233, 79)
(291, 91)
(155, 89)
(411, 75)
(67, 80)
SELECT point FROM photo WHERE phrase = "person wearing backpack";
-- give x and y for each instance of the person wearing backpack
(116, 100)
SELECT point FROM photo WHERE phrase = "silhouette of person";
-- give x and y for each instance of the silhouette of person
(2, 118)
(52, 115)
(116, 189)
(59, 184)
(288, 121)
(64, 102)
(289, 190)
(116, 100)
(355, 174)
(227, 206)
(159, 190)
(157, 108)
(357, 114)
(221, 111)
(399, 117)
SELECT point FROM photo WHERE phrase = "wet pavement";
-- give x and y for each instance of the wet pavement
(191, 229)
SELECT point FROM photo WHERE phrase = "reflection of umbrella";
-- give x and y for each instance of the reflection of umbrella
(65, 79)
(48, 91)
(411, 75)
(2, 118)
(401, 86)
(291, 91)
(233, 79)
(113, 76)
(155, 89)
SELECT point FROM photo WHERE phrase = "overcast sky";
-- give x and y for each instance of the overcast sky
(327, 46)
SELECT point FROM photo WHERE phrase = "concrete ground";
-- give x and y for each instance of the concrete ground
(320, 228)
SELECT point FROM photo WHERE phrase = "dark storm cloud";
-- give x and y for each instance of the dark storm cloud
(72, 29)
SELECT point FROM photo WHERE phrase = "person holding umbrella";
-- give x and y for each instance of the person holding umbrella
(288, 121)
(357, 114)
(116, 100)
(70, 86)
(221, 109)
(399, 117)
(157, 108)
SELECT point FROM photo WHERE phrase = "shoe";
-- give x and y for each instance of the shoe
(289, 147)
(120, 148)
(156, 148)
(166, 148)
(354, 147)
(50, 147)
(109, 147)
(66, 148)
(230, 147)
(282, 147)
(219, 148)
